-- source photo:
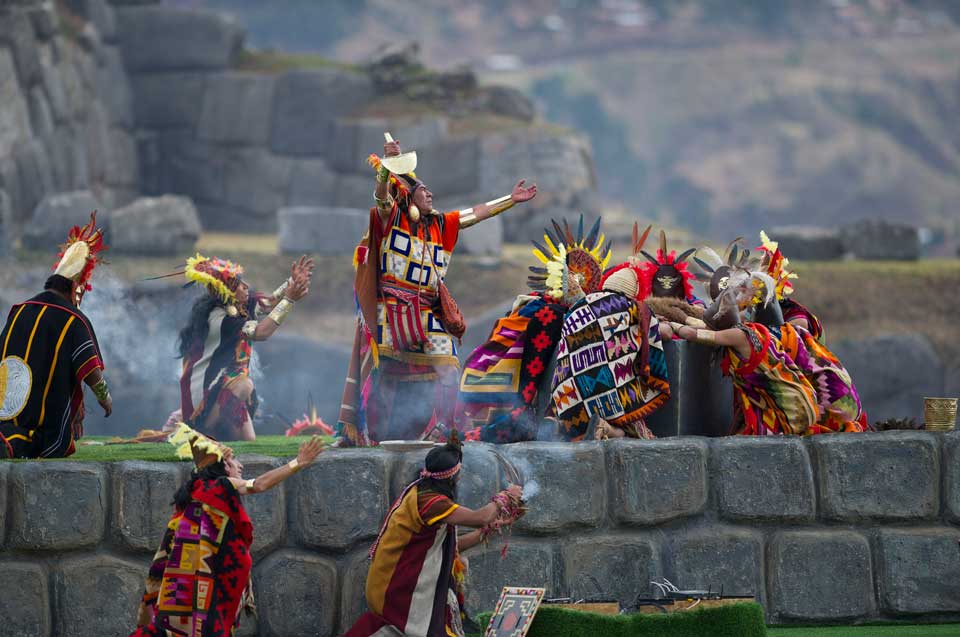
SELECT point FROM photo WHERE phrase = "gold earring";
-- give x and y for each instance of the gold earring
(414, 213)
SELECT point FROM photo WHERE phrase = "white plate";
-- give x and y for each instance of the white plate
(407, 445)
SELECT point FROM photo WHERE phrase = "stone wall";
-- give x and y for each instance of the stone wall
(66, 121)
(836, 529)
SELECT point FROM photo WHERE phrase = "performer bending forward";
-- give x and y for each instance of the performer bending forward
(411, 588)
(404, 369)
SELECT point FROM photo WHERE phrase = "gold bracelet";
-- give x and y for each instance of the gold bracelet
(294, 465)
(707, 337)
(248, 485)
(468, 217)
(281, 310)
(278, 293)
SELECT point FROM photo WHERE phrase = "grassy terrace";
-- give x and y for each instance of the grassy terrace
(103, 451)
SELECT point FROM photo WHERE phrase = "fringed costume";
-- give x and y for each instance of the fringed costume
(48, 349)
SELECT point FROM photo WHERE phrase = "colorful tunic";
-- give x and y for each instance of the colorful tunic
(48, 349)
(200, 575)
(411, 572)
(840, 408)
(771, 393)
(502, 378)
(211, 367)
(610, 362)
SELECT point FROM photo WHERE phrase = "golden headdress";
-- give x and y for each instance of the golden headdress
(221, 277)
(564, 254)
(80, 255)
(205, 451)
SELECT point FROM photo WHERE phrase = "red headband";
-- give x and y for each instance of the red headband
(441, 475)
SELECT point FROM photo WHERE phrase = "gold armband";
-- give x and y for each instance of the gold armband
(294, 465)
(707, 337)
(468, 217)
(248, 485)
(278, 293)
(279, 313)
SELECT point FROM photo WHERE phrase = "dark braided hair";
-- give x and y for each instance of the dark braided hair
(184, 494)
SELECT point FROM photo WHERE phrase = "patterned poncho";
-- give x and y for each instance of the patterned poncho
(772, 395)
(610, 362)
(201, 571)
(837, 398)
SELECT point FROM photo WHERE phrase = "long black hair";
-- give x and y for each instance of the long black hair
(443, 459)
(198, 326)
(184, 494)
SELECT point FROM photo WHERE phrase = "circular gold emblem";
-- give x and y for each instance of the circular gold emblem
(15, 382)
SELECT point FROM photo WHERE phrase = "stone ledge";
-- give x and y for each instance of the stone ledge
(919, 570)
(296, 594)
(839, 563)
(656, 482)
(879, 476)
(713, 557)
(615, 567)
(38, 492)
(25, 602)
(142, 495)
(267, 510)
(98, 595)
(762, 479)
(321, 515)
(528, 564)
(951, 476)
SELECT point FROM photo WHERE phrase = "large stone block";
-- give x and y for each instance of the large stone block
(809, 243)
(353, 589)
(614, 567)
(582, 484)
(354, 191)
(951, 475)
(451, 167)
(762, 479)
(893, 391)
(920, 570)
(527, 564)
(4, 471)
(320, 230)
(25, 603)
(97, 12)
(56, 91)
(142, 495)
(257, 182)
(483, 239)
(306, 104)
(236, 108)
(56, 505)
(113, 87)
(7, 232)
(155, 225)
(45, 21)
(718, 557)
(160, 38)
(41, 115)
(97, 141)
(267, 510)
(296, 594)
(121, 164)
(820, 575)
(193, 168)
(15, 115)
(312, 183)
(319, 514)
(16, 32)
(485, 472)
(885, 476)
(34, 171)
(97, 595)
(879, 239)
(53, 214)
(168, 99)
(653, 482)
(355, 139)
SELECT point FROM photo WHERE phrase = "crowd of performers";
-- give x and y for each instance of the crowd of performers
(580, 356)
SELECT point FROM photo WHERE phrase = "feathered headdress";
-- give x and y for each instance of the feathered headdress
(776, 266)
(221, 277)
(669, 270)
(715, 270)
(564, 254)
(633, 264)
(192, 444)
(80, 255)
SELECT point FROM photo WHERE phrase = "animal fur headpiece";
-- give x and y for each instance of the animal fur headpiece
(667, 274)
(204, 450)
(564, 254)
(80, 255)
(221, 277)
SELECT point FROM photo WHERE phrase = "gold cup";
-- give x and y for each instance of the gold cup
(939, 414)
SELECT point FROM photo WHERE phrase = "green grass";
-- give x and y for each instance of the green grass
(278, 62)
(740, 620)
(276, 446)
(898, 630)
(736, 620)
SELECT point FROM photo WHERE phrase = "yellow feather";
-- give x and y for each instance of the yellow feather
(550, 245)
(540, 256)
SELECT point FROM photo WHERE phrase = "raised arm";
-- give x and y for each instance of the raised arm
(487, 514)
(305, 457)
(381, 194)
(478, 213)
(297, 288)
